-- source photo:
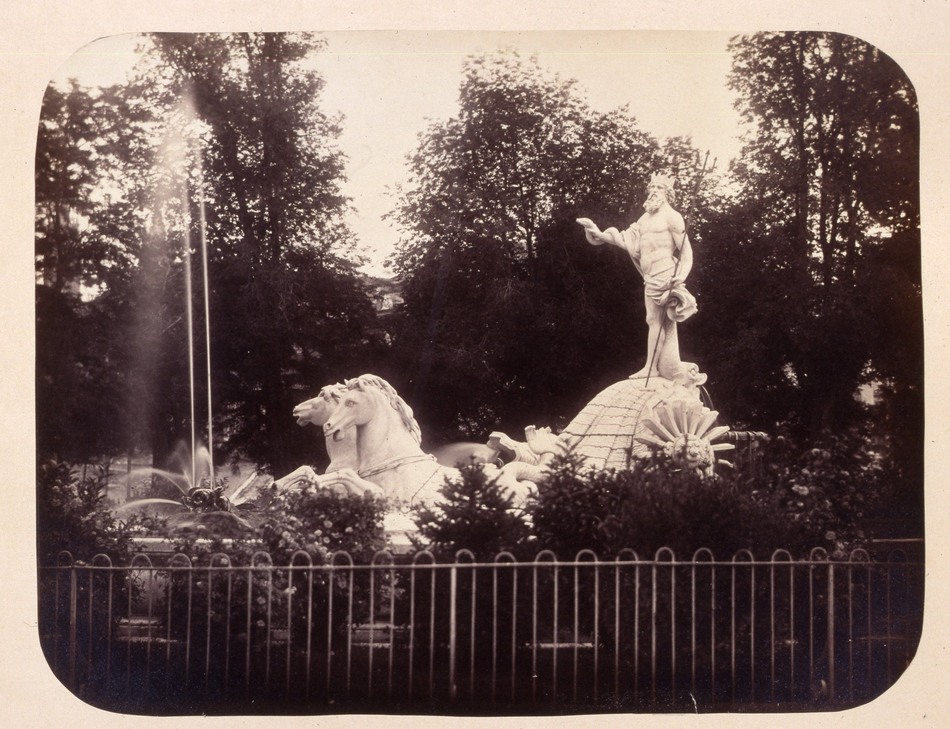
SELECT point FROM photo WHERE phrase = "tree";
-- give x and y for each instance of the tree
(474, 513)
(233, 120)
(810, 276)
(64, 179)
(506, 307)
(288, 313)
(80, 384)
(823, 232)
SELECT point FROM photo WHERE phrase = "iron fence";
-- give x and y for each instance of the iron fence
(408, 634)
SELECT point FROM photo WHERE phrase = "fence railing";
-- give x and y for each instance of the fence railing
(412, 635)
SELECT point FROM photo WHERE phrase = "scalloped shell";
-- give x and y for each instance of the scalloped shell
(605, 430)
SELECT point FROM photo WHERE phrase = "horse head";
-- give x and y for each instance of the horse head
(317, 410)
(364, 398)
(356, 406)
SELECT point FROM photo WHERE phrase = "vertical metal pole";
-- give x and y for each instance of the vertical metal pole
(850, 631)
(870, 632)
(290, 627)
(752, 631)
(617, 631)
(349, 630)
(555, 649)
(128, 624)
(269, 628)
(471, 639)
(514, 626)
(187, 626)
(534, 633)
(56, 606)
(331, 581)
(109, 632)
(712, 632)
(887, 646)
(494, 630)
(576, 629)
(372, 622)
(732, 637)
(636, 631)
(227, 633)
(208, 630)
(168, 633)
(89, 627)
(596, 631)
(653, 609)
(772, 627)
(432, 576)
(309, 654)
(811, 623)
(692, 630)
(73, 594)
(831, 631)
(453, 585)
(412, 629)
(247, 633)
(791, 631)
(392, 630)
(673, 630)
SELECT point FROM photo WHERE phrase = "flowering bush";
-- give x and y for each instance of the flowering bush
(282, 600)
(319, 522)
(315, 521)
(827, 491)
(72, 515)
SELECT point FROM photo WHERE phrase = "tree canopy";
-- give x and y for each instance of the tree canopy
(810, 270)
(233, 120)
(509, 315)
(807, 249)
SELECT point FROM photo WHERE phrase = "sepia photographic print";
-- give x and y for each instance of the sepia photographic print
(480, 374)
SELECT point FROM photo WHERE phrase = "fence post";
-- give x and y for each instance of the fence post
(453, 585)
(831, 631)
(73, 596)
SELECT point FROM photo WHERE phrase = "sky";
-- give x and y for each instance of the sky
(389, 84)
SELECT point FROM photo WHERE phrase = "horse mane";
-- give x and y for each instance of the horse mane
(397, 403)
(335, 390)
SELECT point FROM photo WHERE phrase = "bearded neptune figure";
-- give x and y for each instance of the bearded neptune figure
(659, 247)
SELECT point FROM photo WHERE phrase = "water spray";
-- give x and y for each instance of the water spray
(204, 270)
(189, 318)
(187, 107)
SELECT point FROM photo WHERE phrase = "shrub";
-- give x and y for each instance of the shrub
(474, 514)
(315, 521)
(649, 506)
(804, 498)
(72, 515)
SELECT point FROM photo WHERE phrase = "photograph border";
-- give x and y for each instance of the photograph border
(44, 40)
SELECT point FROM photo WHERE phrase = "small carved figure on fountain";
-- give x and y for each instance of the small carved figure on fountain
(660, 249)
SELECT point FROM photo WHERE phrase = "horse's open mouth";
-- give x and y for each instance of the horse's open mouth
(337, 435)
